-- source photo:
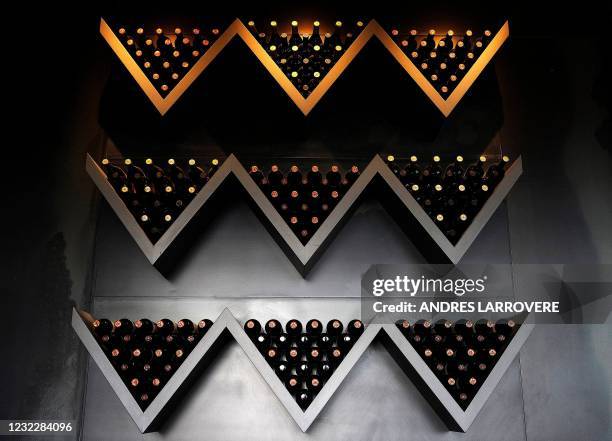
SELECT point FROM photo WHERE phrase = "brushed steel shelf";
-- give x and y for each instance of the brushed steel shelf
(226, 326)
(430, 240)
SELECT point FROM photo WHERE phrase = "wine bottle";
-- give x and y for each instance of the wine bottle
(282, 370)
(334, 327)
(271, 355)
(293, 355)
(505, 327)
(314, 327)
(403, 326)
(443, 327)
(293, 384)
(123, 327)
(102, 327)
(252, 328)
(355, 328)
(273, 327)
(304, 398)
(185, 327)
(203, 326)
(293, 327)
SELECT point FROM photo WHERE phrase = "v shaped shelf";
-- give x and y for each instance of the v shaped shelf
(226, 325)
(305, 104)
(426, 235)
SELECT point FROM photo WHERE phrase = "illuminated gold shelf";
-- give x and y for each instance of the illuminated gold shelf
(372, 29)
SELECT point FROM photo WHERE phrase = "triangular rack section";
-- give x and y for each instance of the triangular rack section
(453, 253)
(153, 251)
(303, 418)
(447, 105)
(148, 420)
(305, 105)
(441, 400)
(163, 104)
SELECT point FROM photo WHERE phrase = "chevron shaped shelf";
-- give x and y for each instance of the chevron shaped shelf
(226, 325)
(398, 200)
(304, 82)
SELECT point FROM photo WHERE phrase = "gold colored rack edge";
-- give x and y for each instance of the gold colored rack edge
(446, 106)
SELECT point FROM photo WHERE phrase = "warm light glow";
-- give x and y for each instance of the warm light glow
(436, 158)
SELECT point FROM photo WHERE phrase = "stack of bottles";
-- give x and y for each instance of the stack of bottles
(156, 195)
(146, 353)
(304, 358)
(461, 354)
(444, 59)
(451, 194)
(304, 199)
(306, 57)
(166, 53)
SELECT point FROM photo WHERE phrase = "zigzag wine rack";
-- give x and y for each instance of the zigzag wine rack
(303, 237)
(165, 62)
(473, 360)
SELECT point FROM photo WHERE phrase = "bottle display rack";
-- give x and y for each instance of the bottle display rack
(457, 416)
(303, 250)
(304, 82)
